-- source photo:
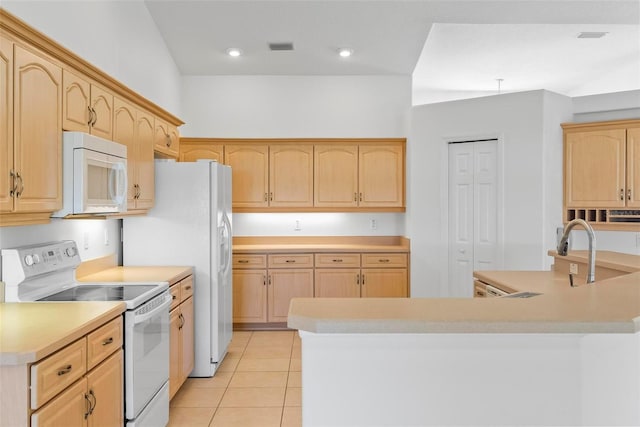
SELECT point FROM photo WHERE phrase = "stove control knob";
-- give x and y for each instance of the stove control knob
(70, 252)
(28, 260)
(36, 258)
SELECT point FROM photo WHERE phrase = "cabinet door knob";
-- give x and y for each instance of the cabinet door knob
(629, 194)
(108, 341)
(621, 194)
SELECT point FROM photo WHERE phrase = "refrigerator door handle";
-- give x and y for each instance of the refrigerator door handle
(225, 246)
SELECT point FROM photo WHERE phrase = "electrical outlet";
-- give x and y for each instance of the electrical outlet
(298, 226)
(86, 240)
(373, 224)
(106, 237)
(573, 268)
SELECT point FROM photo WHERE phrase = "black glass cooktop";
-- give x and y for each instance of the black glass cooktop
(100, 293)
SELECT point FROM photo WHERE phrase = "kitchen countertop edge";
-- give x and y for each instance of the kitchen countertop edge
(97, 314)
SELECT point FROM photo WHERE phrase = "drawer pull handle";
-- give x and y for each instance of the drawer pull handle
(174, 297)
(187, 288)
(337, 260)
(108, 341)
(243, 261)
(290, 260)
(384, 260)
(64, 370)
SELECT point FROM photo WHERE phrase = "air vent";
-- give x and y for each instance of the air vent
(280, 46)
(592, 34)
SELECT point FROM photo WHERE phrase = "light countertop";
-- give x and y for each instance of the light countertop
(288, 244)
(171, 274)
(606, 306)
(30, 331)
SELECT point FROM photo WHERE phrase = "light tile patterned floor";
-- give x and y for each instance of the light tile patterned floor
(258, 384)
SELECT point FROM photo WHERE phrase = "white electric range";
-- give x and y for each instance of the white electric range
(47, 272)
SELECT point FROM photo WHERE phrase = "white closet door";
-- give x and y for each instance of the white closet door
(473, 243)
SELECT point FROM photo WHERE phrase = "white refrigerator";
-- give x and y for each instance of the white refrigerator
(190, 224)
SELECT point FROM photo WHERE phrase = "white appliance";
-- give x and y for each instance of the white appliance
(190, 224)
(46, 272)
(94, 177)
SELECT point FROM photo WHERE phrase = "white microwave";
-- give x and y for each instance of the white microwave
(94, 175)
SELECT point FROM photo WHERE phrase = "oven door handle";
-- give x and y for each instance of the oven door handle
(139, 318)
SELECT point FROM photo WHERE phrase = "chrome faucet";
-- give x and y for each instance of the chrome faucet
(563, 246)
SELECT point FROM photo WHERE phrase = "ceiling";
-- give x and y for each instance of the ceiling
(451, 48)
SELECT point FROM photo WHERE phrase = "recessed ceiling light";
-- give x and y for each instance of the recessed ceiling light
(234, 51)
(592, 34)
(345, 52)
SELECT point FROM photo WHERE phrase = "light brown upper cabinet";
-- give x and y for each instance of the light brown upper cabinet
(192, 149)
(250, 174)
(336, 176)
(602, 173)
(633, 167)
(166, 139)
(45, 89)
(276, 176)
(595, 168)
(135, 129)
(307, 175)
(86, 107)
(290, 176)
(32, 168)
(381, 176)
(359, 176)
(6, 125)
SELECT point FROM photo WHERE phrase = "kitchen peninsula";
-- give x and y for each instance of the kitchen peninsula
(570, 356)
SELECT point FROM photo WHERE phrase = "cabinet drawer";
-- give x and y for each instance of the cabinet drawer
(290, 260)
(249, 261)
(186, 288)
(104, 341)
(175, 296)
(57, 372)
(346, 260)
(384, 260)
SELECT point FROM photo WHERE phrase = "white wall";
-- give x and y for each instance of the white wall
(319, 224)
(530, 139)
(295, 106)
(300, 107)
(89, 234)
(119, 37)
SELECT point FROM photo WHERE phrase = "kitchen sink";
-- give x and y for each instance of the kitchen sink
(522, 295)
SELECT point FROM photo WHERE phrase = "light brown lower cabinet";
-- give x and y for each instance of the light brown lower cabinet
(181, 334)
(81, 384)
(349, 275)
(263, 285)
